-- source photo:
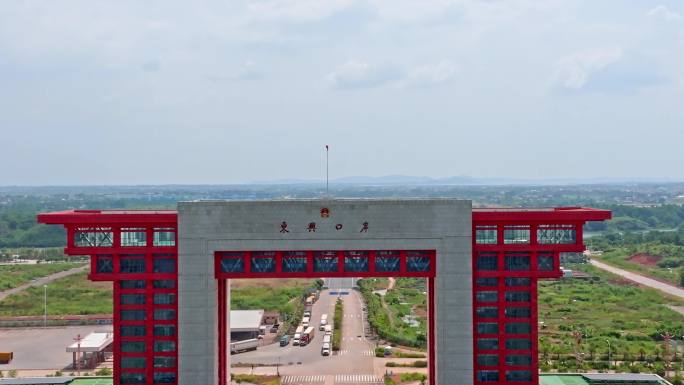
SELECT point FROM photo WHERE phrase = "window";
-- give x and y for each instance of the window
(294, 262)
(487, 328)
(518, 360)
(517, 296)
(417, 261)
(517, 262)
(132, 331)
(164, 314)
(518, 375)
(132, 264)
(164, 362)
(556, 234)
(164, 330)
(164, 299)
(325, 261)
(487, 359)
(518, 312)
(486, 282)
(132, 346)
(356, 261)
(164, 236)
(132, 378)
(132, 284)
(487, 311)
(513, 282)
(133, 362)
(518, 328)
(132, 299)
(164, 377)
(545, 262)
(486, 296)
(387, 261)
(263, 262)
(133, 315)
(518, 344)
(488, 375)
(133, 237)
(516, 234)
(164, 284)
(93, 237)
(164, 346)
(488, 343)
(485, 234)
(487, 262)
(105, 264)
(232, 263)
(164, 265)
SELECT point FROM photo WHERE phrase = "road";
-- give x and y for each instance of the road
(42, 281)
(640, 279)
(306, 364)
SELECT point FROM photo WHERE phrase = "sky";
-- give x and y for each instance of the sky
(178, 92)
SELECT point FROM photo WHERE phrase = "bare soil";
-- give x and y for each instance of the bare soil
(645, 259)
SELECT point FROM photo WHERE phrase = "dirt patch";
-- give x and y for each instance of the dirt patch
(621, 281)
(420, 312)
(645, 259)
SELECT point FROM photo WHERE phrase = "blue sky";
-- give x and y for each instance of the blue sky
(131, 92)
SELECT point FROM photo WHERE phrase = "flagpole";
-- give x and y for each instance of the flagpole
(327, 188)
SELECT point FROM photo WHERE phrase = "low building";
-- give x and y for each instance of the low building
(601, 379)
(245, 324)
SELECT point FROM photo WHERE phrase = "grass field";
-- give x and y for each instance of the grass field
(16, 275)
(620, 257)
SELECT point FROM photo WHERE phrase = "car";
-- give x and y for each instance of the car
(325, 350)
(284, 340)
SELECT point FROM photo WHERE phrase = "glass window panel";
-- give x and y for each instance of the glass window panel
(132, 378)
(164, 346)
(164, 314)
(487, 311)
(385, 263)
(518, 360)
(488, 343)
(518, 344)
(485, 234)
(132, 362)
(93, 237)
(164, 299)
(417, 264)
(294, 264)
(133, 237)
(132, 284)
(132, 265)
(486, 296)
(488, 375)
(518, 296)
(518, 328)
(164, 362)
(517, 312)
(132, 346)
(132, 331)
(487, 359)
(356, 261)
(232, 265)
(164, 377)
(133, 315)
(164, 284)
(325, 261)
(516, 234)
(556, 234)
(486, 282)
(164, 265)
(132, 299)
(105, 264)
(545, 262)
(518, 375)
(263, 264)
(487, 262)
(517, 282)
(164, 330)
(487, 328)
(517, 262)
(164, 237)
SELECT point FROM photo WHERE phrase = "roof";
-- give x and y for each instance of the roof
(622, 377)
(92, 381)
(555, 214)
(245, 320)
(35, 380)
(82, 217)
(562, 379)
(93, 342)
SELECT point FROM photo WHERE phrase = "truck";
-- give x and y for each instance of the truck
(244, 346)
(6, 357)
(326, 339)
(297, 335)
(325, 350)
(309, 301)
(324, 321)
(328, 330)
(307, 336)
(305, 322)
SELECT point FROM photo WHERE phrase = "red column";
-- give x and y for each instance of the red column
(222, 333)
(431, 332)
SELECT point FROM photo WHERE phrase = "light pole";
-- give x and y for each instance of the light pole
(45, 302)
(608, 341)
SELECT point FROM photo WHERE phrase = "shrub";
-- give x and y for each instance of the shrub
(104, 372)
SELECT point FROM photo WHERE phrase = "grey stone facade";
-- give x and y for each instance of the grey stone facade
(443, 225)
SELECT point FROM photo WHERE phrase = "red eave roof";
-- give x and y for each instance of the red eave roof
(553, 214)
(83, 217)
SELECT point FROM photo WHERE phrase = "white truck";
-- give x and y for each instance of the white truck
(324, 321)
(243, 346)
(326, 339)
(328, 330)
(298, 335)
(305, 322)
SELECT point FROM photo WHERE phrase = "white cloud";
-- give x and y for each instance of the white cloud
(574, 71)
(662, 12)
(295, 10)
(430, 74)
(360, 74)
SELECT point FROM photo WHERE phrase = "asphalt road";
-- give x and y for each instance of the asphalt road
(640, 279)
(355, 357)
(42, 281)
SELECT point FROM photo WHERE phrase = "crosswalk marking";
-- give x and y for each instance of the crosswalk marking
(294, 380)
(367, 353)
(358, 379)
